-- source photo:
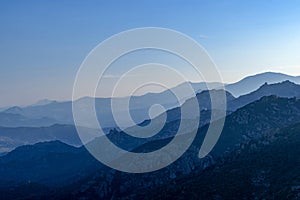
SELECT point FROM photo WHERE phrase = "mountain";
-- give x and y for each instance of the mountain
(18, 120)
(10, 138)
(249, 123)
(247, 84)
(48, 163)
(252, 122)
(200, 86)
(4, 108)
(58, 111)
(252, 83)
(61, 112)
(262, 169)
(204, 103)
(283, 89)
(173, 119)
(43, 102)
(42, 168)
(246, 124)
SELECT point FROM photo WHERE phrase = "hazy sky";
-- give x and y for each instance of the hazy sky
(42, 43)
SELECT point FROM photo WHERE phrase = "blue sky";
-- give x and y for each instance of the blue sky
(44, 42)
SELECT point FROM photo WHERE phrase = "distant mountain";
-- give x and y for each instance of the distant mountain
(252, 83)
(173, 121)
(11, 138)
(61, 112)
(43, 102)
(18, 120)
(284, 89)
(4, 108)
(200, 86)
(58, 111)
(204, 103)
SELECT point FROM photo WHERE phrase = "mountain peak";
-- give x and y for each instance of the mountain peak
(46, 146)
(254, 82)
(14, 110)
(43, 102)
(285, 83)
(288, 82)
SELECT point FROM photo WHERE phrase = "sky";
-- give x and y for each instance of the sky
(43, 43)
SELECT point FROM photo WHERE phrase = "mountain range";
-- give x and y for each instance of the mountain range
(11, 138)
(253, 123)
(46, 112)
(256, 154)
(22, 135)
(252, 83)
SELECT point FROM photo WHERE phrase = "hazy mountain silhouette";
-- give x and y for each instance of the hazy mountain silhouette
(254, 130)
(61, 112)
(43, 102)
(204, 103)
(284, 89)
(11, 138)
(252, 83)
(18, 120)
(31, 136)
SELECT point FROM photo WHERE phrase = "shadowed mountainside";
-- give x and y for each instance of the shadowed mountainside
(261, 169)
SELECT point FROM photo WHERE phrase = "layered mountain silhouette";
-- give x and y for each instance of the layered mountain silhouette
(8, 119)
(252, 122)
(283, 89)
(41, 154)
(252, 83)
(51, 112)
(31, 136)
